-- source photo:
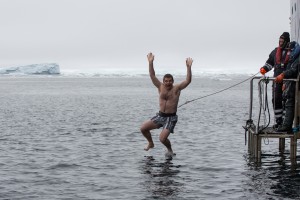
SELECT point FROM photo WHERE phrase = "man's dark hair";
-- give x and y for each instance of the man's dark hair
(168, 76)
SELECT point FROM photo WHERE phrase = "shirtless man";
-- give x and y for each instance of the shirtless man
(168, 101)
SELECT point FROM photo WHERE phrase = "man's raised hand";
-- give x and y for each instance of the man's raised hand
(150, 57)
(189, 62)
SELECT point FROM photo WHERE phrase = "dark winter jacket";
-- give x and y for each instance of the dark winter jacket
(271, 62)
(291, 72)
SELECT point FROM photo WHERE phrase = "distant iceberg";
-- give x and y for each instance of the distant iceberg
(45, 68)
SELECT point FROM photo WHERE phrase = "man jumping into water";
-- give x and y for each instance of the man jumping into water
(168, 101)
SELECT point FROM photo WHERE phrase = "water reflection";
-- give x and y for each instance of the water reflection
(161, 179)
(275, 177)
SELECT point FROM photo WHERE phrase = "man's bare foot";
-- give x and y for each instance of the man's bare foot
(170, 154)
(149, 146)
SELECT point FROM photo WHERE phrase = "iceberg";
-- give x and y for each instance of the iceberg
(45, 68)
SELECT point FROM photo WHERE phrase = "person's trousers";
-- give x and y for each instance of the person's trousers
(277, 102)
(289, 112)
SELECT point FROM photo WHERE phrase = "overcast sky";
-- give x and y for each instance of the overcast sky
(217, 34)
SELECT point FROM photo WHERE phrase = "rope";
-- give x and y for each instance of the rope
(263, 103)
(218, 91)
(263, 106)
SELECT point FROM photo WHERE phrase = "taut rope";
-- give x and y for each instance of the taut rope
(217, 91)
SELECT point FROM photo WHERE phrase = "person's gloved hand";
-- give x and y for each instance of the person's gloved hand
(263, 71)
(279, 78)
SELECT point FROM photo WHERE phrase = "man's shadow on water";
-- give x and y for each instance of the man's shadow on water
(161, 178)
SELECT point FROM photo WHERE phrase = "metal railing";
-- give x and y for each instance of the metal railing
(262, 78)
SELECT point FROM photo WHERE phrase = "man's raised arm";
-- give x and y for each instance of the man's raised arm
(155, 81)
(188, 80)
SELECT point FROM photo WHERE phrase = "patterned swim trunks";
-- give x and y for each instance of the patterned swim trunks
(165, 120)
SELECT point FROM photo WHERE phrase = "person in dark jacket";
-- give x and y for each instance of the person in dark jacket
(278, 59)
(289, 87)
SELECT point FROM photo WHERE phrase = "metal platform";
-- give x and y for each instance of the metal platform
(255, 134)
(273, 133)
(255, 141)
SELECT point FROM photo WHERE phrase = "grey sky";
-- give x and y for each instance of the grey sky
(218, 34)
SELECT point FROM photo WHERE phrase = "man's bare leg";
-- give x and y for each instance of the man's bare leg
(145, 129)
(163, 137)
(150, 141)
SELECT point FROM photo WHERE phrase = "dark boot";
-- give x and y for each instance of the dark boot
(289, 116)
(284, 128)
(278, 123)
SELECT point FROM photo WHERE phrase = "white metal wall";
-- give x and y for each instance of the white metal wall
(295, 20)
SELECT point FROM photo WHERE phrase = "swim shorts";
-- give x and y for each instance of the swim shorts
(165, 120)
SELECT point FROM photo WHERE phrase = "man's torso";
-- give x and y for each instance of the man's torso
(168, 99)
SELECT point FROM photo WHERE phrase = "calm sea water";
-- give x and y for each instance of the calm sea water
(79, 138)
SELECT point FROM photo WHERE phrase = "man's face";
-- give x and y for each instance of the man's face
(281, 41)
(168, 83)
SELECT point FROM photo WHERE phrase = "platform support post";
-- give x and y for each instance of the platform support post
(281, 145)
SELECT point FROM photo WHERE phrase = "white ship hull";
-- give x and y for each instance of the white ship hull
(295, 20)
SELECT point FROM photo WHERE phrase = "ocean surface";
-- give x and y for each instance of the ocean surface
(79, 138)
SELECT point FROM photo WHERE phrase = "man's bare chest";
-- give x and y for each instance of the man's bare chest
(168, 95)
